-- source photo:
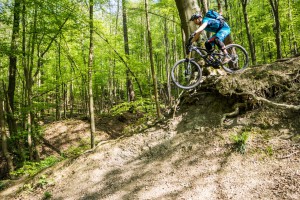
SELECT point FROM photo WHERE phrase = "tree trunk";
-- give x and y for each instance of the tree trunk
(228, 39)
(204, 6)
(292, 40)
(90, 75)
(185, 9)
(65, 97)
(226, 4)
(250, 39)
(154, 78)
(263, 52)
(167, 62)
(130, 91)
(57, 87)
(220, 9)
(13, 68)
(4, 137)
(28, 85)
(13, 54)
(71, 98)
(277, 29)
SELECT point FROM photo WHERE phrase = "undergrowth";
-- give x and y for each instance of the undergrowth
(2, 185)
(31, 168)
(75, 151)
(145, 111)
(141, 105)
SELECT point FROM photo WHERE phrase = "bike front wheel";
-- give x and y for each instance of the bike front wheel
(186, 74)
(239, 59)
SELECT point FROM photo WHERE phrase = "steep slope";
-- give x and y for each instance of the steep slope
(192, 155)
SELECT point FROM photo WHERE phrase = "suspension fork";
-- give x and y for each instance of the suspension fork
(188, 68)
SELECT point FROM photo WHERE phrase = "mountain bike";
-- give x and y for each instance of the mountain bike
(187, 73)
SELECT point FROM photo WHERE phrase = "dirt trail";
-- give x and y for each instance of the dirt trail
(187, 157)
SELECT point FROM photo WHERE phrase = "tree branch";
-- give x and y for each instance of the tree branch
(123, 60)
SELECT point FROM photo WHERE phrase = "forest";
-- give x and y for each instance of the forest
(66, 59)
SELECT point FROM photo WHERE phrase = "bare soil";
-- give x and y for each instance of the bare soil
(188, 156)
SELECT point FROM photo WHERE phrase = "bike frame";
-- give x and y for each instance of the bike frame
(215, 62)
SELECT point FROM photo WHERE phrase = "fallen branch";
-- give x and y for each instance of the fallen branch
(48, 144)
(287, 156)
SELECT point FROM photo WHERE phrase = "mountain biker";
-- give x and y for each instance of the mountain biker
(221, 30)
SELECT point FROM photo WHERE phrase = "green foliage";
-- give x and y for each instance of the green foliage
(75, 151)
(28, 187)
(2, 185)
(240, 141)
(142, 106)
(269, 150)
(43, 181)
(47, 195)
(21, 137)
(31, 168)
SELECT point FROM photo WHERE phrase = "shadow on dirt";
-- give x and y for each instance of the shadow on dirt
(195, 153)
(192, 162)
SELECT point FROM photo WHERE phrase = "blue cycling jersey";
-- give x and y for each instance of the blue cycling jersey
(213, 24)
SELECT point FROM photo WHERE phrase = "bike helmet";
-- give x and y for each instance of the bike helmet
(195, 16)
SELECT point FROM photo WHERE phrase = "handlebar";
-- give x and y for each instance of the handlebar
(189, 43)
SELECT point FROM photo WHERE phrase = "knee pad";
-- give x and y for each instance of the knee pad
(219, 43)
(208, 46)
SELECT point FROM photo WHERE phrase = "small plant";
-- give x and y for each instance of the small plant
(43, 181)
(47, 195)
(28, 187)
(2, 185)
(239, 142)
(269, 151)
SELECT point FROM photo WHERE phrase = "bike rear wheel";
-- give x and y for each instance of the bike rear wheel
(239, 59)
(186, 74)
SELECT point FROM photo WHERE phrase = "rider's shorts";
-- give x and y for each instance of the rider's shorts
(221, 34)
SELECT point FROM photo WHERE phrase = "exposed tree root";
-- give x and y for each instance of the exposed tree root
(271, 103)
(256, 86)
(288, 156)
(236, 111)
(177, 102)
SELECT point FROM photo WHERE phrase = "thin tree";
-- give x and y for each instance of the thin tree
(90, 75)
(277, 30)
(249, 36)
(204, 6)
(167, 61)
(154, 79)
(130, 91)
(29, 79)
(10, 108)
(4, 137)
(228, 39)
(292, 43)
